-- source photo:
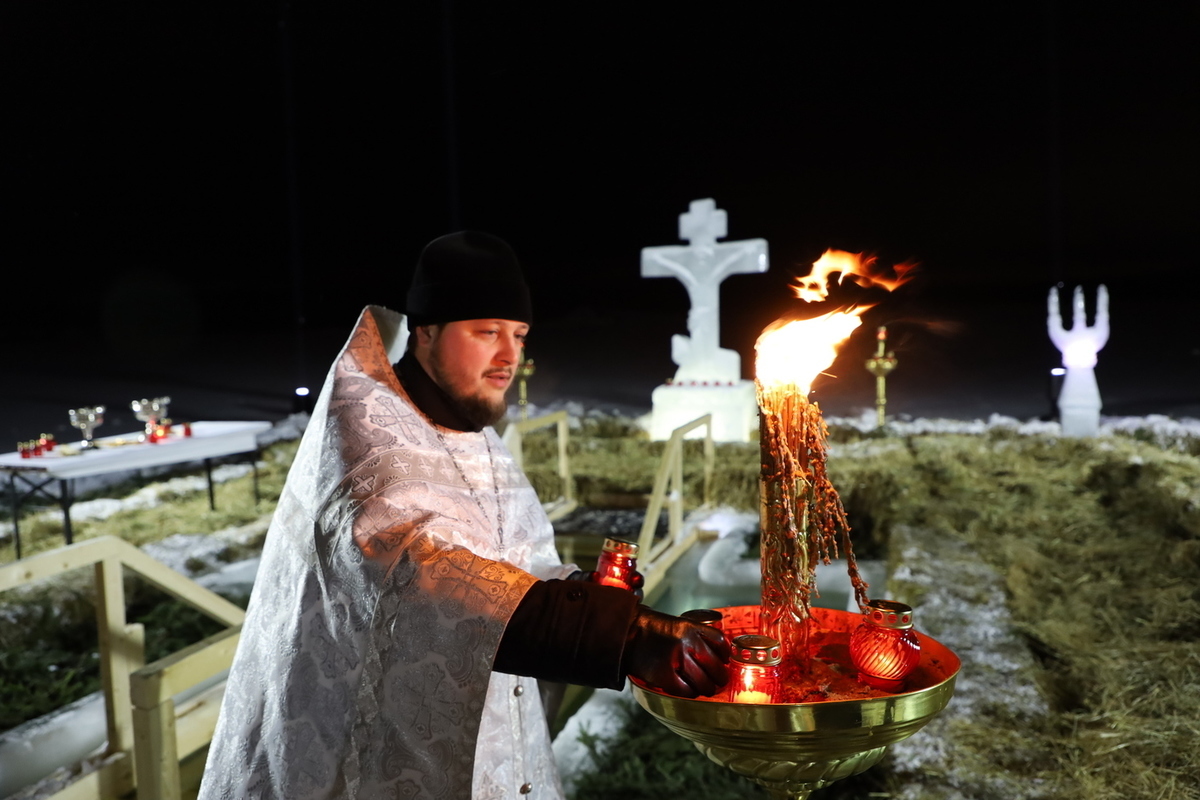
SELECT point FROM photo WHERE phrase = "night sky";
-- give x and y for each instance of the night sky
(182, 177)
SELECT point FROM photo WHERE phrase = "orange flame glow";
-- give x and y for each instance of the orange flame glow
(795, 352)
(815, 287)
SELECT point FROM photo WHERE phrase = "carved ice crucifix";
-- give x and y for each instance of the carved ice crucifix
(701, 266)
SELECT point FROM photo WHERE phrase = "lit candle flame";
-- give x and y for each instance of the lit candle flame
(746, 692)
(609, 580)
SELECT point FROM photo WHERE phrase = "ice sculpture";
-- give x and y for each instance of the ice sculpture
(709, 377)
(1079, 399)
(700, 267)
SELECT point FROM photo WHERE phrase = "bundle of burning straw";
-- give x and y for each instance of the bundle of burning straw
(801, 515)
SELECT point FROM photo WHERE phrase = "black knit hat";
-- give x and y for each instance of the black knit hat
(467, 275)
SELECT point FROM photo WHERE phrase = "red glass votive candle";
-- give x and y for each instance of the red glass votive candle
(884, 648)
(617, 563)
(754, 666)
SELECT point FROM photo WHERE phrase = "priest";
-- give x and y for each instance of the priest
(410, 595)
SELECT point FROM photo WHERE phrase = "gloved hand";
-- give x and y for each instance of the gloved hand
(677, 656)
(639, 580)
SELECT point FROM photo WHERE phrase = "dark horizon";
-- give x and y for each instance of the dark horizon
(180, 180)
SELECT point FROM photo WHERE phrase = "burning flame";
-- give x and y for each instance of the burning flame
(815, 287)
(795, 352)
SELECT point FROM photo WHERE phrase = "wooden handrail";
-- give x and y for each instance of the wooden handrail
(655, 557)
(163, 736)
(514, 437)
(133, 692)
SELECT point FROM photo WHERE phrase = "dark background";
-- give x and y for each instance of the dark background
(199, 198)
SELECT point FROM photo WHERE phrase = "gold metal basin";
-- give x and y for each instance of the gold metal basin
(794, 748)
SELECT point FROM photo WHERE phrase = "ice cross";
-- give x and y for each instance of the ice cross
(701, 266)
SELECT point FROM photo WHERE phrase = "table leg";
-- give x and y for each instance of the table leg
(66, 495)
(16, 512)
(254, 467)
(212, 500)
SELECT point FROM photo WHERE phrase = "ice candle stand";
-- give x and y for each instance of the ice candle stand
(799, 711)
(1079, 400)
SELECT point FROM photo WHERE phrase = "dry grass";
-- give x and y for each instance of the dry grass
(1099, 544)
(1098, 540)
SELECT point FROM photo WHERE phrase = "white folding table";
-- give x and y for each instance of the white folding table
(29, 476)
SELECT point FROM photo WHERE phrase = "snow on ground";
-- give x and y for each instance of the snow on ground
(1158, 428)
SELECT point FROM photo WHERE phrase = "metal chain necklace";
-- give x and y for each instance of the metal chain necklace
(471, 487)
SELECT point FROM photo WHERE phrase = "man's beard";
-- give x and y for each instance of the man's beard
(478, 410)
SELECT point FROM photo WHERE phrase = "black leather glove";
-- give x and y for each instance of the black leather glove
(639, 580)
(677, 656)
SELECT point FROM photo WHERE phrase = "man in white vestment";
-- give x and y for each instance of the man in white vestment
(410, 595)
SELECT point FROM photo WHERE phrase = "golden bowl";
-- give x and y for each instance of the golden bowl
(794, 748)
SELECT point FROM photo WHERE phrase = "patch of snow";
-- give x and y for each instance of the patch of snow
(726, 521)
(292, 427)
(31, 751)
(600, 716)
(724, 565)
(1160, 429)
(232, 580)
(178, 550)
(962, 606)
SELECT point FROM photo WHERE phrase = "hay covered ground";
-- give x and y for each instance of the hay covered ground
(1094, 546)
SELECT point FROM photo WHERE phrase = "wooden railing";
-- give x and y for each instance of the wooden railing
(655, 556)
(514, 436)
(147, 735)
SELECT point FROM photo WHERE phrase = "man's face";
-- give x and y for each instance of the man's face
(473, 361)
